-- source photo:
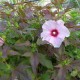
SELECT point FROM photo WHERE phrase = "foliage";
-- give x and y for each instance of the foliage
(24, 56)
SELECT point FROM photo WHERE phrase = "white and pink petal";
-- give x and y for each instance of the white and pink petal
(60, 22)
(45, 35)
(56, 42)
(63, 31)
(49, 25)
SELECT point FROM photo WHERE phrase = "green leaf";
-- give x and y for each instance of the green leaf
(45, 76)
(45, 62)
(31, 74)
(4, 68)
(74, 73)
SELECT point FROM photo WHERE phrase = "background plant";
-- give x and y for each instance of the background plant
(24, 56)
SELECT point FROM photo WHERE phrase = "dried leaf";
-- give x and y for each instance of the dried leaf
(27, 43)
(74, 64)
(29, 13)
(20, 73)
(9, 5)
(61, 74)
(2, 26)
(47, 14)
(23, 25)
(11, 52)
(27, 54)
(5, 51)
(34, 62)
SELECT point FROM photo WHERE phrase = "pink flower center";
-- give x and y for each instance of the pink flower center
(54, 33)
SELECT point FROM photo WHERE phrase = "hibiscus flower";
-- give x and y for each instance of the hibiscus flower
(54, 32)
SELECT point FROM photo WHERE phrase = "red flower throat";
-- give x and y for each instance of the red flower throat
(54, 33)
